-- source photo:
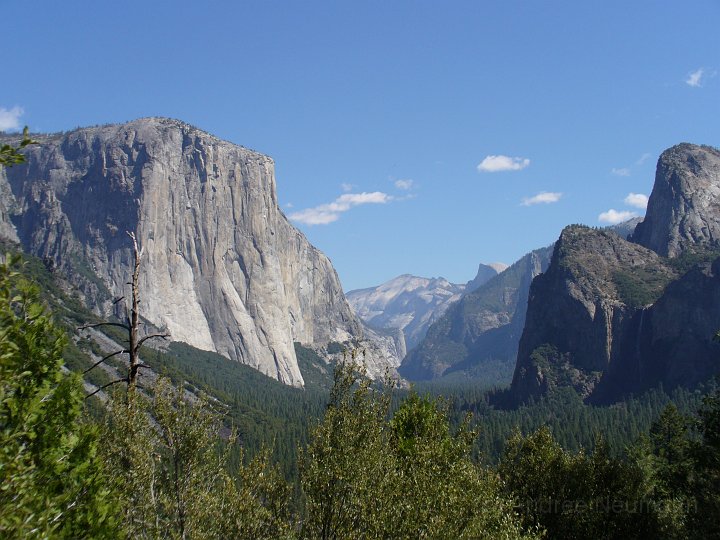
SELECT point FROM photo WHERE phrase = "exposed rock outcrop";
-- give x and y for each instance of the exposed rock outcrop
(684, 206)
(223, 269)
(484, 274)
(579, 309)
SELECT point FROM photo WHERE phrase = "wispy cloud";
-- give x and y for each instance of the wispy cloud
(613, 217)
(544, 197)
(328, 213)
(346, 187)
(623, 171)
(502, 163)
(695, 78)
(642, 159)
(405, 185)
(289, 205)
(638, 200)
(10, 118)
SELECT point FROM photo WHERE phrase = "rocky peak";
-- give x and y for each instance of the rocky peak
(684, 206)
(589, 259)
(223, 269)
(484, 274)
(407, 303)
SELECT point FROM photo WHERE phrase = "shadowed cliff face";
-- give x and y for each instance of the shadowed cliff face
(223, 269)
(612, 317)
(670, 342)
(580, 306)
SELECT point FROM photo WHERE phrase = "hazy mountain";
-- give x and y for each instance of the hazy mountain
(407, 303)
(480, 332)
(479, 335)
(223, 270)
(484, 274)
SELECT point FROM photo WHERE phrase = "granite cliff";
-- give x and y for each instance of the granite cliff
(612, 317)
(223, 269)
(684, 207)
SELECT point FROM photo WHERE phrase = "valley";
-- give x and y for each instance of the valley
(360, 270)
(576, 345)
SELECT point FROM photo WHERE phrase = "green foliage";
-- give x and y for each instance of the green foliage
(316, 372)
(669, 436)
(706, 451)
(574, 424)
(364, 476)
(52, 481)
(266, 413)
(10, 155)
(67, 309)
(173, 478)
(639, 286)
(345, 465)
(692, 257)
(577, 495)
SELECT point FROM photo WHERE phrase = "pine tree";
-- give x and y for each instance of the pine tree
(52, 482)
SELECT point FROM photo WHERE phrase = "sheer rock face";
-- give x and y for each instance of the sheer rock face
(484, 274)
(579, 310)
(684, 206)
(222, 268)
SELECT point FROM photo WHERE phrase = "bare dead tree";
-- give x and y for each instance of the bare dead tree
(131, 326)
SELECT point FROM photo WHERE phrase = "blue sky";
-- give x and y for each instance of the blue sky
(420, 137)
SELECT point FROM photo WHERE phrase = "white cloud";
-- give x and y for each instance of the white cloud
(404, 184)
(638, 200)
(614, 217)
(695, 78)
(545, 197)
(624, 171)
(346, 187)
(289, 205)
(10, 119)
(328, 213)
(502, 163)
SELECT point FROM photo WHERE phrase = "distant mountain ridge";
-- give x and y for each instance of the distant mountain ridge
(480, 334)
(410, 304)
(481, 329)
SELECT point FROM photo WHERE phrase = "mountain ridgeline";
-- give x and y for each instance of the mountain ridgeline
(479, 333)
(607, 312)
(612, 317)
(222, 270)
(407, 305)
